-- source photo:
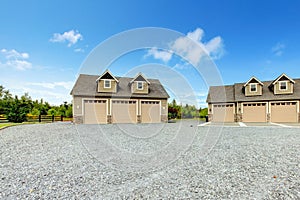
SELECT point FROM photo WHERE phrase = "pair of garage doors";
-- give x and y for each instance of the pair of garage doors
(279, 112)
(254, 112)
(122, 111)
(257, 112)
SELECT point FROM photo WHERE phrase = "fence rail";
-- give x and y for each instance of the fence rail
(40, 118)
(3, 119)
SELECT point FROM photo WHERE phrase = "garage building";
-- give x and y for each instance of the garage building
(255, 101)
(109, 99)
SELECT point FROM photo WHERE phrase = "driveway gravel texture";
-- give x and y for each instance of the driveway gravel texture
(149, 161)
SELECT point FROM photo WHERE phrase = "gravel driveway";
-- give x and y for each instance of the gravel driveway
(176, 161)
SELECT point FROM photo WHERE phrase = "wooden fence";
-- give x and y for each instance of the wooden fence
(3, 119)
(40, 118)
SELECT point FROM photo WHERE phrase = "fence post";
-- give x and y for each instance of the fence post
(61, 118)
(40, 118)
(52, 118)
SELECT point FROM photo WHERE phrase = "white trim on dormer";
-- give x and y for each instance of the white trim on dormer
(253, 77)
(139, 74)
(107, 71)
(276, 80)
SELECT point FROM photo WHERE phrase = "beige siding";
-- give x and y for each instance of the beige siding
(254, 112)
(223, 113)
(77, 106)
(209, 108)
(164, 110)
(136, 91)
(249, 93)
(164, 107)
(284, 112)
(112, 89)
(290, 88)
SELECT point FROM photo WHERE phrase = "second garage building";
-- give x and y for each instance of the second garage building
(255, 101)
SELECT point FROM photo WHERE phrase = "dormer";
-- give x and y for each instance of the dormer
(139, 85)
(253, 87)
(283, 85)
(107, 83)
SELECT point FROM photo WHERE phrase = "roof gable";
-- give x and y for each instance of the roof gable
(253, 79)
(107, 75)
(282, 77)
(140, 77)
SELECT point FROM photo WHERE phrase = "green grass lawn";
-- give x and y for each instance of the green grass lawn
(2, 125)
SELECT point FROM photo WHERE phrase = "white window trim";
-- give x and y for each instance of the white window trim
(109, 83)
(255, 87)
(286, 86)
(137, 85)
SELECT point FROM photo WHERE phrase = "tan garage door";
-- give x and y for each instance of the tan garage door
(284, 112)
(124, 111)
(150, 112)
(95, 112)
(223, 113)
(254, 112)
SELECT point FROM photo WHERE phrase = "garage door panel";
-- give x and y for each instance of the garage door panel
(254, 112)
(284, 112)
(124, 111)
(150, 112)
(95, 111)
(223, 113)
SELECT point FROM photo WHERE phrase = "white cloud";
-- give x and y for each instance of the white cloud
(72, 37)
(215, 47)
(52, 92)
(165, 56)
(14, 54)
(19, 64)
(53, 97)
(192, 48)
(15, 60)
(67, 85)
(277, 50)
(79, 50)
(196, 35)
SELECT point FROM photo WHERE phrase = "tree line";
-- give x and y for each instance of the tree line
(176, 111)
(16, 109)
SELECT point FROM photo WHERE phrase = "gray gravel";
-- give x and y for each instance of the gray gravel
(159, 161)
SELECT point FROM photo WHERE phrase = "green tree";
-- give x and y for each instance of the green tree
(52, 111)
(69, 111)
(62, 111)
(5, 97)
(35, 111)
(203, 112)
(18, 109)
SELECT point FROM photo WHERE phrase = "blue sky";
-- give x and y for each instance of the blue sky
(43, 44)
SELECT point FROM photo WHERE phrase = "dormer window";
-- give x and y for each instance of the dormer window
(253, 87)
(283, 85)
(107, 83)
(139, 85)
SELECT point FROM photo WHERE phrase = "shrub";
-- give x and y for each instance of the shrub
(17, 110)
(52, 111)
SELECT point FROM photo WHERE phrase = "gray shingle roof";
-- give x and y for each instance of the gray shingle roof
(86, 86)
(220, 94)
(235, 93)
